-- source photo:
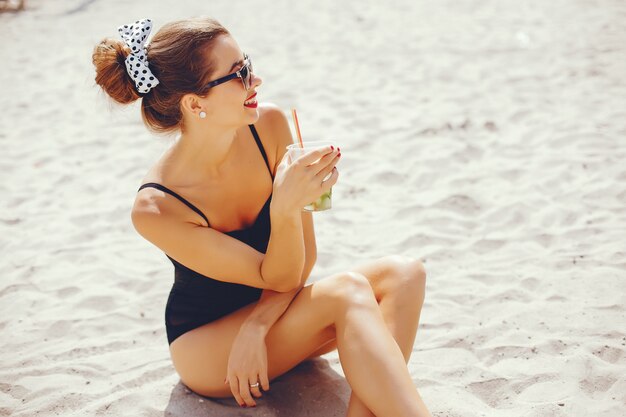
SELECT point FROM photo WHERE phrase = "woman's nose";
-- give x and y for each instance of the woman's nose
(256, 80)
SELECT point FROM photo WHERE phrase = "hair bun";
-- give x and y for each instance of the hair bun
(108, 58)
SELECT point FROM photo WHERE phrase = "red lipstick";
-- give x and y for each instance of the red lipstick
(253, 104)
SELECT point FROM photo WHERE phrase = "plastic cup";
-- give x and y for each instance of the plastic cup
(294, 151)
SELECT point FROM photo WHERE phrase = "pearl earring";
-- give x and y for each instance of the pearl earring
(202, 115)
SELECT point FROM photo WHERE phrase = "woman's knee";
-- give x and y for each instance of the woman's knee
(408, 273)
(353, 288)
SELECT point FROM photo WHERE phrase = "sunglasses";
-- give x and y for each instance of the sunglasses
(245, 73)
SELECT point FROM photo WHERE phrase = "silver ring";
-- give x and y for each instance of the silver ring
(254, 385)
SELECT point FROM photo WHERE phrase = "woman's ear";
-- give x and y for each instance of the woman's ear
(190, 104)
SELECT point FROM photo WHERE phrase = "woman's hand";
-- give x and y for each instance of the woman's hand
(247, 365)
(301, 181)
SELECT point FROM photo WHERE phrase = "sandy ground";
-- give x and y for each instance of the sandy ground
(485, 136)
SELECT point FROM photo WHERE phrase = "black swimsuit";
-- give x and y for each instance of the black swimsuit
(196, 299)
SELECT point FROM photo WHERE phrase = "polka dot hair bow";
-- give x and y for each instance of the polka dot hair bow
(134, 35)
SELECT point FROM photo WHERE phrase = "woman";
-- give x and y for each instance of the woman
(226, 207)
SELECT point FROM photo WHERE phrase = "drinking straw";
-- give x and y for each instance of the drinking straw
(295, 122)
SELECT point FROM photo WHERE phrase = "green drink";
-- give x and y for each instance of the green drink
(294, 151)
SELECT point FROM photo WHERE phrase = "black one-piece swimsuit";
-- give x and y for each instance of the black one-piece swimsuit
(196, 299)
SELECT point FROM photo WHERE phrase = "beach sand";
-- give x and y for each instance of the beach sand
(487, 138)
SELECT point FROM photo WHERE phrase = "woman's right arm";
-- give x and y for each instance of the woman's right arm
(177, 231)
(172, 227)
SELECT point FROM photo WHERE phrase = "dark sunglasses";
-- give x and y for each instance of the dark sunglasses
(245, 73)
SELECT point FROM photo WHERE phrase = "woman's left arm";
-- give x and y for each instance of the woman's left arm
(273, 304)
(248, 354)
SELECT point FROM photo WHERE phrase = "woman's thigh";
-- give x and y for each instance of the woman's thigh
(201, 355)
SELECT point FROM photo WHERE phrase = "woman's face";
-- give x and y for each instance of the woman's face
(225, 102)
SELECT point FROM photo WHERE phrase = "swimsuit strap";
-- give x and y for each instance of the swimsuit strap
(172, 193)
(260, 145)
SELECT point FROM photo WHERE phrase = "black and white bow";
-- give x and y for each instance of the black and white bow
(135, 35)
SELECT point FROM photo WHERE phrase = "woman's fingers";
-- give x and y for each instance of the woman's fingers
(264, 380)
(328, 167)
(244, 392)
(256, 391)
(332, 180)
(234, 388)
(264, 383)
(312, 156)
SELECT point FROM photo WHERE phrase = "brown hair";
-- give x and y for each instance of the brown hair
(178, 58)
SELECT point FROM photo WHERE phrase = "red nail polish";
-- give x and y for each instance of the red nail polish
(332, 148)
(338, 149)
(338, 155)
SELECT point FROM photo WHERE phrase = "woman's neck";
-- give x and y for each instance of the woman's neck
(203, 157)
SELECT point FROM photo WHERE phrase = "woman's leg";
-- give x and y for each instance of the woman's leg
(342, 306)
(398, 283)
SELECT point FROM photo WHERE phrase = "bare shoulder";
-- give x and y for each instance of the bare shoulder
(271, 116)
(152, 209)
(153, 206)
(274, 130)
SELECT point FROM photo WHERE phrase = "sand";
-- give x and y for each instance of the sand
(485, 137)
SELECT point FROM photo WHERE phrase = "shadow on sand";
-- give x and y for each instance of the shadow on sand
(312, 389)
